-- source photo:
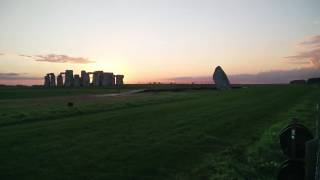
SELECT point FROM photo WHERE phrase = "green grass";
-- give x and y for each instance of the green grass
(203, 134)
(12, 92)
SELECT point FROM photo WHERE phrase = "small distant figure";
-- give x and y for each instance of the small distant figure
(221, 79)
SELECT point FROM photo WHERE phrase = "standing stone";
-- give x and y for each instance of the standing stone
(47, 81)
(113, 80)
(76, 80)
(119, 80)
(60, 80)
(100, 78)
(108, 79)
(221, 79)
(68, 82)
(52, 80)
(85, 79)
(97, 78)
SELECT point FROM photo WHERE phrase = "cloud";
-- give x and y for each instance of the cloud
(17, 76)
(268, 77)
(9, 74)
(12, 78)
(311, 54)
(315, 40)
(1, 54)
(56, 58)
(27, 56)
(276, 76)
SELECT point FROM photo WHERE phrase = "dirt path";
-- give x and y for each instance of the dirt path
(120, 94)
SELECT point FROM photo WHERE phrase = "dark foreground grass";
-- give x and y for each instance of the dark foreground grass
(182, 135)
(16, 92)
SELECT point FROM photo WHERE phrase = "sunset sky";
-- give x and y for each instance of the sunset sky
(157, 40)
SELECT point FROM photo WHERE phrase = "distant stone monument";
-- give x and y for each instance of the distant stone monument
(99, 79)
(298, 81)
(313, 81)
(221, 79)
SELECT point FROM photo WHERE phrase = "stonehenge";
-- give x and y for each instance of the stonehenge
(68, 79)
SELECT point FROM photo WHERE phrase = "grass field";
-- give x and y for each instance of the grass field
(195, 134)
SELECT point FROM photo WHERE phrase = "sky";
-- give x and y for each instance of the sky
(160, 40)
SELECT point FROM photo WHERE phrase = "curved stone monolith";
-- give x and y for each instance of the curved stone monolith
(220, 79)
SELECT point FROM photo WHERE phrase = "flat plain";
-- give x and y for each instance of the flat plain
(192, 134)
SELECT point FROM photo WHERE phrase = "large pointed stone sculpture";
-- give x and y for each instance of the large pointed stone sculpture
(221, 79)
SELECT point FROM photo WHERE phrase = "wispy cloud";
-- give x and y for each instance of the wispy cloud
(23, 55)
(55, 58)
(12, 78)
(17, 76)
(9, 74)
(310, 54)
(1, 54)
(315, 40)
(58, 58)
